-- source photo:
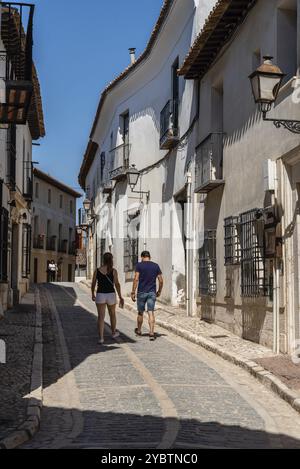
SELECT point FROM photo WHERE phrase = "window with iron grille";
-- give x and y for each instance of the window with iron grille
(253, 262)
(102, 165)
(26, 250)
(232, 241)
(11, 156)
(131, 253)
(208, 264)
(3, 239)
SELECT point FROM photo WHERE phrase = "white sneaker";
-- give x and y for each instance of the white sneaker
(116, 335)
(101, 341)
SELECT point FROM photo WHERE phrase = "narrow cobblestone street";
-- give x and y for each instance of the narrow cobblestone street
(136, 394)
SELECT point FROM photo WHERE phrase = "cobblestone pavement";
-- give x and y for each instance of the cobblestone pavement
(134, 393)
(17, 329)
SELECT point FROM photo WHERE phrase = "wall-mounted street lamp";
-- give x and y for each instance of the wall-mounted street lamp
(86, 205)
(266, 82)
(133, 176)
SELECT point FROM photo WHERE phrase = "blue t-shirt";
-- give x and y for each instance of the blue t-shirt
(149, 271)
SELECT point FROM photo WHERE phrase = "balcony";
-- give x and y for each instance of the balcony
(169, 132)
(82, 218)
(120, 162)
(38, 242)
(62, 246)
(209, 164)
(51, 243)
(16, 86)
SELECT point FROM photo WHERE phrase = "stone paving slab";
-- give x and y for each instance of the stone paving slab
(281, 366)
(134, 393)
(20, 376)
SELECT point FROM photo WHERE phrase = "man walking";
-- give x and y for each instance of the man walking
(146, 275)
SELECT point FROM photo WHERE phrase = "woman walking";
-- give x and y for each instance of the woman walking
(106, 278)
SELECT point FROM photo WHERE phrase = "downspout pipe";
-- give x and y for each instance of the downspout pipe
(189, 250)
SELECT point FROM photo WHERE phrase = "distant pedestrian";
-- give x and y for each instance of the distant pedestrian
(52, 269)
(107, 281)
(146, 275)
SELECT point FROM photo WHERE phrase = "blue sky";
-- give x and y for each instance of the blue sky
(79, 47)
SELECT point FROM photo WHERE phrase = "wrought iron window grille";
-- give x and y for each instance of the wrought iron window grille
(254, 282)
(232, 241)
(208, 265)
(26, 250)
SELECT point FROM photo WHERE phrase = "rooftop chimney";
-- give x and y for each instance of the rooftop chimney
(132, 54)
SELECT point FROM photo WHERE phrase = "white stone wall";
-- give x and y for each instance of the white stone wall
(144, 93)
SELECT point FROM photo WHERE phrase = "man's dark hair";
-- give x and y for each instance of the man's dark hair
(146, 254)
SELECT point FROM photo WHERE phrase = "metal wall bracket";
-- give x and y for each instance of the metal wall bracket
(291, 125)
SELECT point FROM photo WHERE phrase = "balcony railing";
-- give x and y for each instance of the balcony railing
(51, 243)
(120, 162)
(169, 132)
(209, 164)
(62, 246)
(38, 242)
(16, 86)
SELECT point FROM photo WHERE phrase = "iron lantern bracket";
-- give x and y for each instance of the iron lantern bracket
(147, 194)
(291, 125)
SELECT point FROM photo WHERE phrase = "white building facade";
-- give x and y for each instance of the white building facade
(21, 122)
(231, 255)
(53, 228)
(134, 126)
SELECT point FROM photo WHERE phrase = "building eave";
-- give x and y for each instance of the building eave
(54, 182)
(218, 29)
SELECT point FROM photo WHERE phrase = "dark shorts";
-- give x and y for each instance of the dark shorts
(144, 299)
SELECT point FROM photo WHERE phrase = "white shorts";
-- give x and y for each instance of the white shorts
(109, 299)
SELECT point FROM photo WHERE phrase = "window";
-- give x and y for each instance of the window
(253, 262)
(232, 241)
(11, 156)
(125, 137)
(208, 264)
(3, 238)
(287, 37)
(217, 116)
(36, 190)
(27, 180)
(71, 207)
(26, 250)
(102, 166)
(131, 253)
(49, 196)
(175, 92)
(60, 201)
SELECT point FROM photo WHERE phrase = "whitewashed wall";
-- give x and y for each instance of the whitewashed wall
(144, 93)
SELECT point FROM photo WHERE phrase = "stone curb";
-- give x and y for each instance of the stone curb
(265, 377)
(31, 425)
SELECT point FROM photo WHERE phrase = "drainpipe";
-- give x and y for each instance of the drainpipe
(189, 250)
(276, 286)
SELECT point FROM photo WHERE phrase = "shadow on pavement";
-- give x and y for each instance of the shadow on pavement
(109, 430)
